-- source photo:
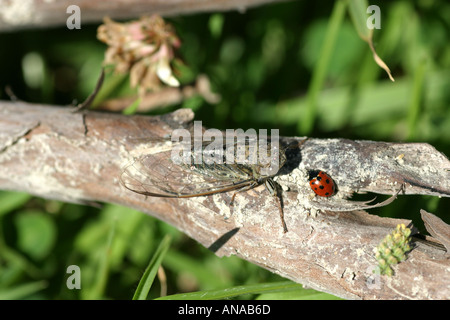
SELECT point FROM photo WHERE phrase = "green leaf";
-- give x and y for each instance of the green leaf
(36, 233)
(96, 291)
(358, 13)
(215, 24)
(12, 200)
(146, 281)
(112, 86)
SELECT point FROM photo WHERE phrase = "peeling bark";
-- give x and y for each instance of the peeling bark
(438, 229)
(54, 153)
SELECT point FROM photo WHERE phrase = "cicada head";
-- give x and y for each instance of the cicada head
(270, 165)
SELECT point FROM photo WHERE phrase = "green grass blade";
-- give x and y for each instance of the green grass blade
(132, 108)
(22, 291)
(98, 289)
(301, 294)
(357, 10)
(112, 83)
(416, 100)
(15, 259)
(320, 71)
(146, 281)
(228, 293)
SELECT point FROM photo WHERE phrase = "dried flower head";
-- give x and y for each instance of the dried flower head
(145, 48)
(393, 249)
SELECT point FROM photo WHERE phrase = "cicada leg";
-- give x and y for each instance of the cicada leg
(245, 188)
(271, 186)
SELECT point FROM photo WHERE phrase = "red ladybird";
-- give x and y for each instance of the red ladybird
(321, 183)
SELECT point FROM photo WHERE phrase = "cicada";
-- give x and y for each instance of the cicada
(158, 175)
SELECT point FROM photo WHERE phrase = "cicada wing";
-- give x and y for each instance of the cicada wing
(156, 175)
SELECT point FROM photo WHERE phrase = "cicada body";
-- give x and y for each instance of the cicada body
(162, 174)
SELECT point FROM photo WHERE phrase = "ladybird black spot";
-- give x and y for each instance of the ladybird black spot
(319, 178)
(327, 181)
(327, 193)
(321, 187)
(313, 174)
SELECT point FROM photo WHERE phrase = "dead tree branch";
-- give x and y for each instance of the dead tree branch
(53, 153)
(16, 15)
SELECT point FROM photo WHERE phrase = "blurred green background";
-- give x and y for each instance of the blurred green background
(276, 66)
